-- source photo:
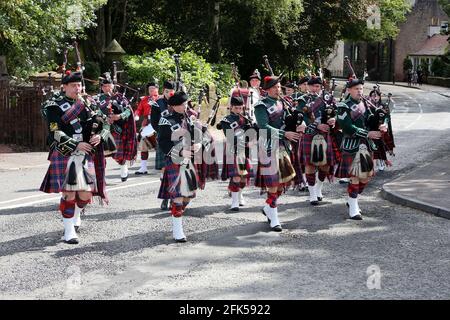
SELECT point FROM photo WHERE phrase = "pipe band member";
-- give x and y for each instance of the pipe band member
(357, 145)
(275, 171)
(77, 128)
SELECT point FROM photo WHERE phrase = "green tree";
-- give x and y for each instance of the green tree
(160, 66)
(392, 13)
(31, 30)
(407, 64)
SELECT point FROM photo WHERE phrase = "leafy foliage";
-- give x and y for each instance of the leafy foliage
(160, 66)
(31, 30)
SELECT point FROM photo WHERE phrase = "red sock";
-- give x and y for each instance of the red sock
(67, 208)
(353, 190)
(234, 186)
(177, 210)
(272, 199)
(311, 179)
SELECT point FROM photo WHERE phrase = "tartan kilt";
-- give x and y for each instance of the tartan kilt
(54, 178)
(171, 173)
(388, 141)
(336, 148)
(230, 170)
(380, 153)
(297, 162)
(307, 142)
(265, 181)
(206, 172)
(160, 161)
(345, 165)
(119, 156)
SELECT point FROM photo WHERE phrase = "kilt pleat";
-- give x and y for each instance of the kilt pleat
(171, 173)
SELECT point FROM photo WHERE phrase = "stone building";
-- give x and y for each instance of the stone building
(383, 61)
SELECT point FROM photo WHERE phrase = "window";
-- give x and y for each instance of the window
(434, 21)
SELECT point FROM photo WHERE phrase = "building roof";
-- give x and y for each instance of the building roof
(435, 46)
(114, 47)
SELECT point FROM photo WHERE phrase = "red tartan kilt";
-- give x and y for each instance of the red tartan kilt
(268, 180)
(54, 178)
(380, 153)
(171, 173)
(123, 153)
(118, 155)
(388, 141)
(296, 160)
(307, 141)
(345, 165)
(231, 170)
(336, 149)
(56, 173)
(206, 172)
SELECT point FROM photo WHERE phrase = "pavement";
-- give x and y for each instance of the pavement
(425, 188)
(444, 91)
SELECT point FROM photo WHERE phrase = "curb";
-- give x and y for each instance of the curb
(417, 88)
(415, 204)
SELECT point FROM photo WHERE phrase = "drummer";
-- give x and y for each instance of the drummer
(147, 133)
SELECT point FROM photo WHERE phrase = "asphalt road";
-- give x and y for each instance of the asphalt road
(126, 249)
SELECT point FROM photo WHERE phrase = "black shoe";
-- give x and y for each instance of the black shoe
(319, 199)
(164, 204)
(72, 241)
(235, 209)
(314, 203)
(140, 173)
(182, 240)
(277, 228)
(357, 217)
(262, 210)
(125, 179)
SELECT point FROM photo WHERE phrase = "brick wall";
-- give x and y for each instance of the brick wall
(414, 31)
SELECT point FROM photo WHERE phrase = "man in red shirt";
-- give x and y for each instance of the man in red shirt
(144, 109)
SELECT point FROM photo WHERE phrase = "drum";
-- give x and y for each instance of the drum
(151, 141)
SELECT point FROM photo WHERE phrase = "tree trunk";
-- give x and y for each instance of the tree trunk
(124, 22)
(216, 47)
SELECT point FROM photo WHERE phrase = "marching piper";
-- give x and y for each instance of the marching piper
(236, 164)
(179, 140)
(275, 171)
(123, 126)
(77, 163)
(381, 114)
(317, 150)
(357, 144)
(162, 109)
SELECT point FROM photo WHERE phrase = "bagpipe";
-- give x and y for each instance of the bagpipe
(287, 105)
(187, 177)
(285, 167)
(330, 110)
(96, 120)
(249, 124)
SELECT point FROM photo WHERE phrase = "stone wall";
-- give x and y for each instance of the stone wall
(439, 81)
